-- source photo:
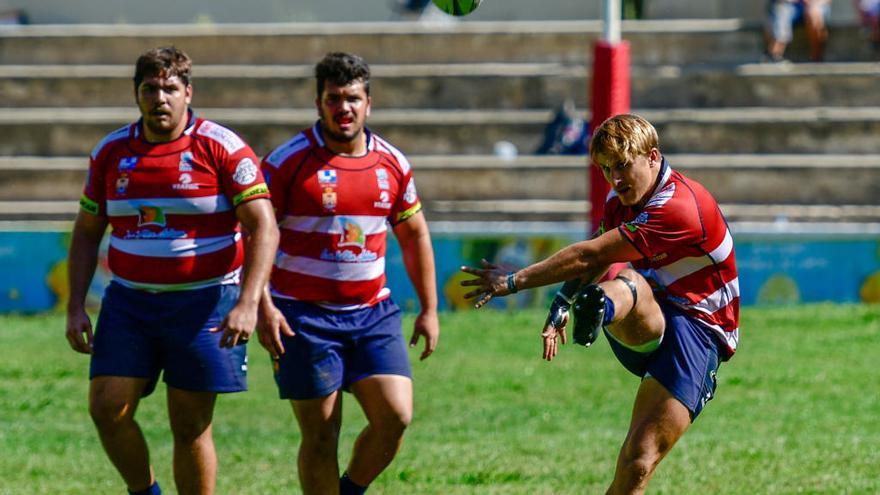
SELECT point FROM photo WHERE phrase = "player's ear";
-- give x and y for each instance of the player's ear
(369, 105)
(189, 93)
(654, 155)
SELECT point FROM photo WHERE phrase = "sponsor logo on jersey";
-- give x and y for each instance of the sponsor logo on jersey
(384, 201)
(659, 257)
(122, 183)
(348, 256)
(352, 233)
(245, 172)
(328, 198)
(127, 163)
(151, 234)
(151, 215)
(641, 219)
(410, 196)
(186, 161)
(327, 177)
(185, 182)
(222, 135)
(382, 178)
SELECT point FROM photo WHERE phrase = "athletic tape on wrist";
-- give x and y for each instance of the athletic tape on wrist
(511, 283)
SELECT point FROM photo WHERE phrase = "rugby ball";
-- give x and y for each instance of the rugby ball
(457, 7)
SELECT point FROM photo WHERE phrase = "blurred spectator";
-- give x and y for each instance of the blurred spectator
(409, 9)
(567, 134)
(13, 17)
(783, 15)
(869, 13)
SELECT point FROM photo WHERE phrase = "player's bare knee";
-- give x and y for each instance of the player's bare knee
(108, 413)
(638, 471)
(320, 435)
(189, 430)
(393, 423)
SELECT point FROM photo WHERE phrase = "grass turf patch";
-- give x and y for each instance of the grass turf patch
(795, 412)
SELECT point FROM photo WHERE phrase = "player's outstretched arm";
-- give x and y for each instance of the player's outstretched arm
(418, 258)
(262, 242)
(586, 259)
(82, 261)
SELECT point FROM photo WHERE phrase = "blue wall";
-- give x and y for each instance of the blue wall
(772, 269)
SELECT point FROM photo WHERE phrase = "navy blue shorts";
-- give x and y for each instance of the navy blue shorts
(685, 363)
(333, 349)
(140, 334)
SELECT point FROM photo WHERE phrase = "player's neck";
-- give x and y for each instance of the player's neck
(354, 148)
(165, 137)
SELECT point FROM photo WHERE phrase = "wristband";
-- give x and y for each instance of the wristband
(511, 283)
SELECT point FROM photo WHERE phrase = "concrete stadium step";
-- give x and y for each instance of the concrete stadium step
(788, 179)
(447, 86)
(652, 42)
(74, 131)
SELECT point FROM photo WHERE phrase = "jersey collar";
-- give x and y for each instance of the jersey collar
(142, 146)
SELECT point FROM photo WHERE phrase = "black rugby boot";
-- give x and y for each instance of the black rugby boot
(588, 311)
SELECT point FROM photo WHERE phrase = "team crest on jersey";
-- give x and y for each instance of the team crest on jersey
(245, 172)
(352, 233)
(642, 218)
(382, 178)
(185, 182)
(186, 161)
(151, 215)
(327, 177)
(328, 198)
(410, 195)
(384, 201)
(127, 163)
(122, 184)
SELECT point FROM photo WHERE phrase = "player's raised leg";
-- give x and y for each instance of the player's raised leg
(658, 421)
(195, 460)
(387, 401)
(319, 423)
(625, 306)
(113, 401)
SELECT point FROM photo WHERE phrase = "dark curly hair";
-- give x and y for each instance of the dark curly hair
(165, 60)
(342, 69)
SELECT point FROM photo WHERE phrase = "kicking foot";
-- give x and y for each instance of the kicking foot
(588, 311)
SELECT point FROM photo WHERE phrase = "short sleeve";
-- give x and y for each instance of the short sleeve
(94, 195)
(241, 177)
(408, 203)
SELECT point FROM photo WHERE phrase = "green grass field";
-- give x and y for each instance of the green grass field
(796, 411)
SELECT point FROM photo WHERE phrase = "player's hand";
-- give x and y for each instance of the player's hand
(238, 325)
(270, 326)
(428, 326)
(491, 282)
(554, 327)
(79, 331)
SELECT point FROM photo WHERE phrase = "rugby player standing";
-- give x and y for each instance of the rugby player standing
(337, 188)
(186, 286)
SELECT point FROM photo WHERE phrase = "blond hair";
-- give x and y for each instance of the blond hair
(622, 137)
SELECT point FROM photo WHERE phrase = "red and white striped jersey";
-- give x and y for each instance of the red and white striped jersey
(333, 212)
(171, 206)
(688, 251)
